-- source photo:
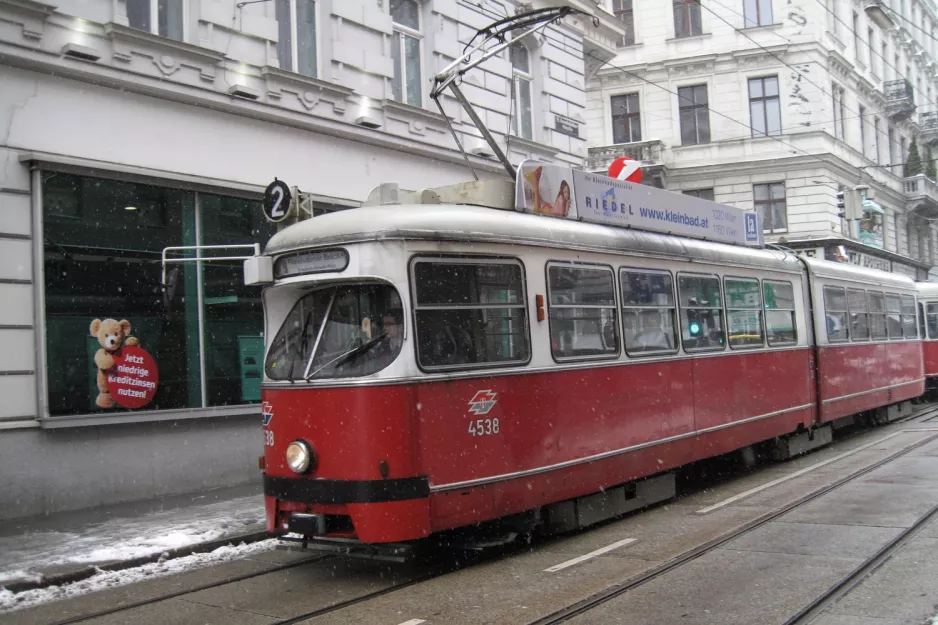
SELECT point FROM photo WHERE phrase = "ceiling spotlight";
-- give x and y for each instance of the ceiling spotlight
(130, 208)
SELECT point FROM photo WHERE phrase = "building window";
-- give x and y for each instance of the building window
(521, 117)
(903, 154)
(885, 55)
(769, 200)
(687, 18)
(623, 11)
(703, 194)
(764, 108)
(876, 157)
(757, 12)
(694, 114)
(891, 140)
(582, 311)
(837, 95)
(626, 119)
(862, 111)
(856, 37)
(405, 52)
(99, 231)
(296, 25)
(165, 18)
(870, 38)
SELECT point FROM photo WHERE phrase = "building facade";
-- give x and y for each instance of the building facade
(131, 126)
(779, 105)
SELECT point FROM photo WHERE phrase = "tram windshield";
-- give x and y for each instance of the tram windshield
(341, 331)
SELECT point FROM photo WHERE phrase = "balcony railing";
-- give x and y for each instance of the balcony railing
(921, 193)
(928, 122)
(900, 99)
(648, 152)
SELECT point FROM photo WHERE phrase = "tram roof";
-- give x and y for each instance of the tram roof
(927, 289)
(475, 224)
(846, 271)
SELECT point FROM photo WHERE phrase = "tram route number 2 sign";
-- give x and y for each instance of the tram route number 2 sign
(134, 378)
(277, 198)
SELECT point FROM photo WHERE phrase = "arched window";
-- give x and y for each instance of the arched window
(405, 50)
(522, 124)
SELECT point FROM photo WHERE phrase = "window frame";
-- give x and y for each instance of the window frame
(880, 314)
(695, 107)
(619, 11)
(517, 77)
(697, 193)
(407, 31)
(463, 259)
(763, 101)
(929, 306)
(721, 308)
(760, 309)
(844, 312)
(294, 40)
(903, 315)
(897, 312)
(154, 13)
(769, 203)
(865, 312)
(748, 22)
(793, 311)
(614, 307)
(675, 321)
(688, 7)
(628, 117)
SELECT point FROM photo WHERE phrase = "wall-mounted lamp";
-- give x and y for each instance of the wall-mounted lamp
(80, 52)
(368, 121)
(243, 91)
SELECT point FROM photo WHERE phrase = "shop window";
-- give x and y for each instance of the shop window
(743, 312)
(406, 42)
(469, 313)
(165, 18)
(296, 45)
(859, 315)
(103, 244)
(780, 328)
(877, 306)
(701, 312)
(893, 316)
(648, 312)
(835, 313)
(582, 311)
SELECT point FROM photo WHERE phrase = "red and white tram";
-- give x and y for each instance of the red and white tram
(434, 366)
(928, 313)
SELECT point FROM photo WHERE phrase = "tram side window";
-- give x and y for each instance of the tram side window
(859, 315)
(877, 306)
(701, 312)
(835, 310)
(469, 313)
(648, 312)
(931, 320)
(893, 316)
(743, 312)
(582, 311)
(780, 313)
(909, 329)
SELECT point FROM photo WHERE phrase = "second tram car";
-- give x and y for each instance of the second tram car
(928, 328)
(432, 367)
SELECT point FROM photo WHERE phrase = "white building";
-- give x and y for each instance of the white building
(127, 126)
(778, 104)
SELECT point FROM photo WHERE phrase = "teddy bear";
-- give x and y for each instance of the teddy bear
(112, 335)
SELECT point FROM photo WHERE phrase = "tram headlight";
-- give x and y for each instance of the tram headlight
(299, 456)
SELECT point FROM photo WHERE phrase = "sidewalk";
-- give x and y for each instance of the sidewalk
(70, 546)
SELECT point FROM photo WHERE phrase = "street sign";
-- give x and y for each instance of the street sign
(277, 199)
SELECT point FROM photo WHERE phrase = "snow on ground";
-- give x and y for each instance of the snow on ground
(103, 580)
(22, 555)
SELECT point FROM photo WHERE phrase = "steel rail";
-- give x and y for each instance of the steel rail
(617, 590)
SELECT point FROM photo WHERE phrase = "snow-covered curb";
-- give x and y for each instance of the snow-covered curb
(101, 579)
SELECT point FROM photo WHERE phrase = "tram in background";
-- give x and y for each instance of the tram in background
(928, 314)
(432, 367)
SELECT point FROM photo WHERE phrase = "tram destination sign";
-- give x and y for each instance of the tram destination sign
(564, 192)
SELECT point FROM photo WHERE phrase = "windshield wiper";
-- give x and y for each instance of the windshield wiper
(341, 359)
(303, 343)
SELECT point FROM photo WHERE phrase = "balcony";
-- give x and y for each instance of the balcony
(649, 153)
(900, 99)
(928, 123)
(876, 11)
(921, 194)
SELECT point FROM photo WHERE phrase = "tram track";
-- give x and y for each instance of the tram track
(809, 613)
(565, 614)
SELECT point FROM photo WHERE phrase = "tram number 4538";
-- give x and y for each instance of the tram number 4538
(483, 427)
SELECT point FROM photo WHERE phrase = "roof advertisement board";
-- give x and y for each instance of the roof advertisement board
(560, 191)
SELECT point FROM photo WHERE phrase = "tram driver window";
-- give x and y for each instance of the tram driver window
(835, 311)
(582, 311)
(780, 326)
(648, 312)
(909, 329)
(893, 316)
(469, 313)
(743, 312)
(859, 317)
(701, 312)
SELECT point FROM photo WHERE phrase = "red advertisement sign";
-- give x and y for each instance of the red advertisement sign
(134, 378)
